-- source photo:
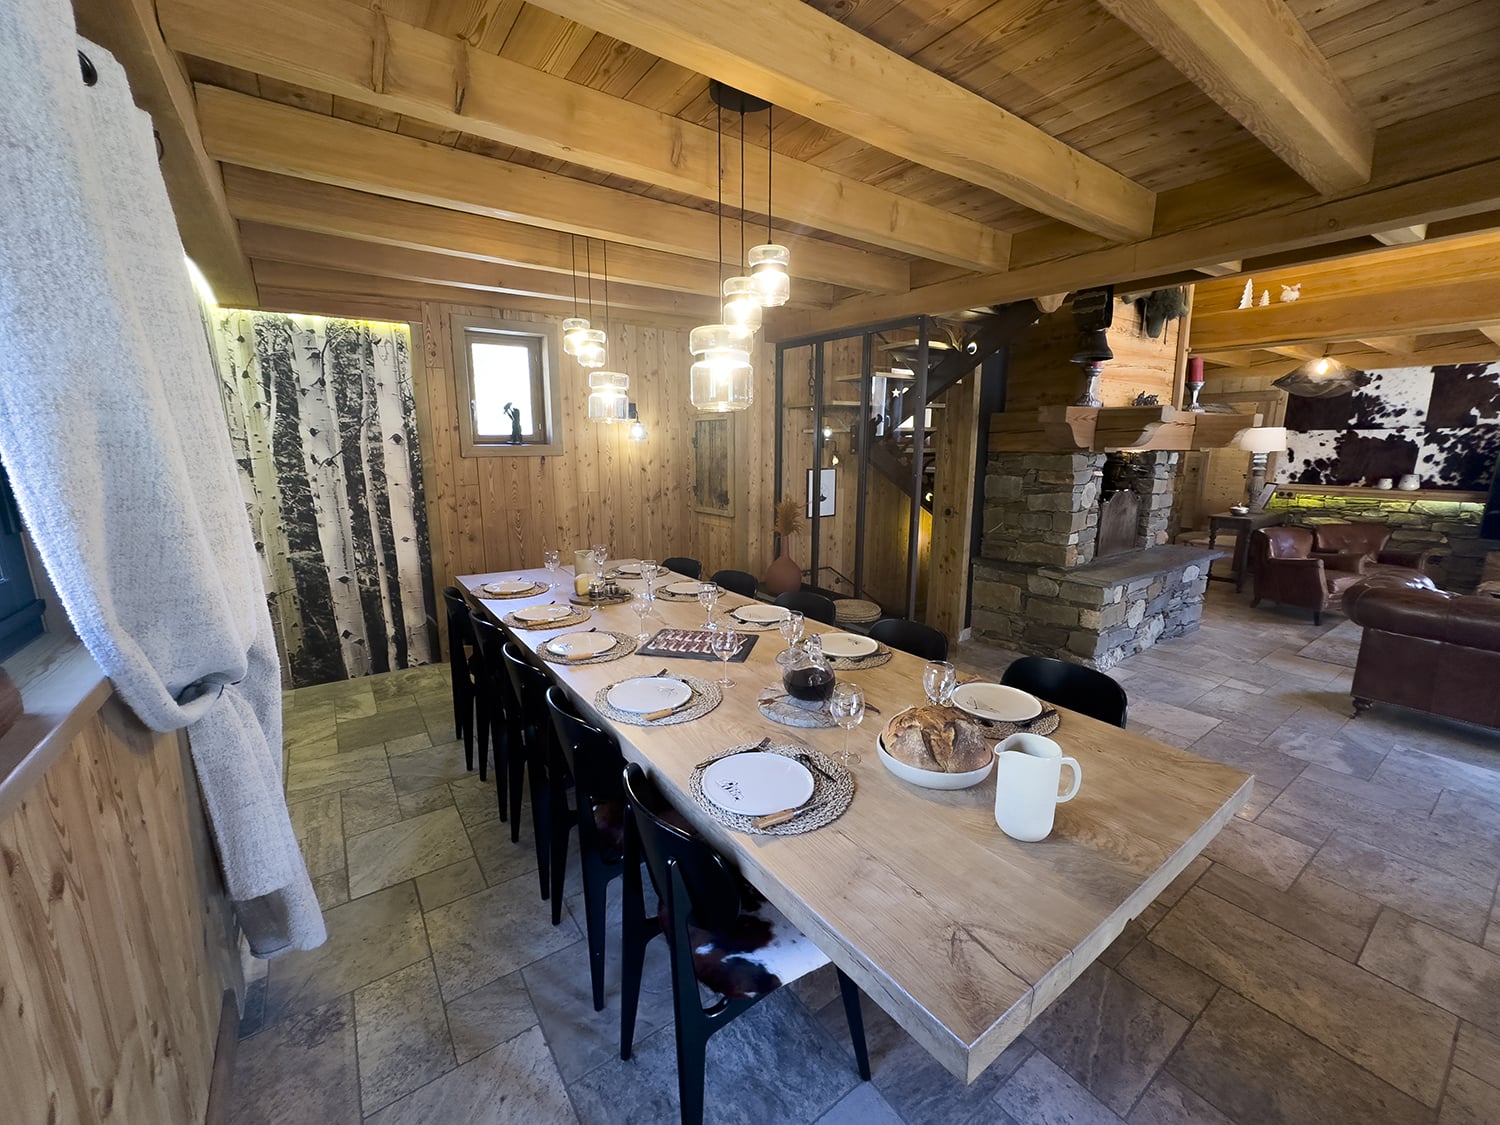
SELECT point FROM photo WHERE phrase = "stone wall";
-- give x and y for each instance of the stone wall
(1449, 527)
(1153, 478)
(1041, 508)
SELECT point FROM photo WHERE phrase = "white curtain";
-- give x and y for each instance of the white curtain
(112, 431)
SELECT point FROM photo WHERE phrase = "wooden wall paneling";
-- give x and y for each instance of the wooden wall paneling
(115, 939)
(956, 445)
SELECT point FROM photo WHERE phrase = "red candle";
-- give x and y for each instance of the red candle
(1195, 369)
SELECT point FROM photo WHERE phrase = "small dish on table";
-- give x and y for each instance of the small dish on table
(580, 646)
(996, 703)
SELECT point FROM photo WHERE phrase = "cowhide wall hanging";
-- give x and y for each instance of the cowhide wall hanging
(1441, 423)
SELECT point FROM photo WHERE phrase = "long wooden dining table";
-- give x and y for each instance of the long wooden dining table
(962, 934)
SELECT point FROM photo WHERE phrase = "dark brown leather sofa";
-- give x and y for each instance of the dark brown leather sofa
(1312, 567)
(1429, 650)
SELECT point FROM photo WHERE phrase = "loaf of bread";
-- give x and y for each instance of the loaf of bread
(940, 739)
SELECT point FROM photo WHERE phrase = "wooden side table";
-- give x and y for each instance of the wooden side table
(1242, 526)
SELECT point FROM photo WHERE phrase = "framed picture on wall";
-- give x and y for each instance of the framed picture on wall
(713, 465)
(821, 491)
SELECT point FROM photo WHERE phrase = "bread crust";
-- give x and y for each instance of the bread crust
(939, 739)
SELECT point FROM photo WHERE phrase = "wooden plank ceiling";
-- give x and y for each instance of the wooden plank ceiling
(958, 155)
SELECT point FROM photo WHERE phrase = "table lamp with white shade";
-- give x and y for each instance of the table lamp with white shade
(1260, 442)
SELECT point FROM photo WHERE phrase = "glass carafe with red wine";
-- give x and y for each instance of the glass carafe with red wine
(807, 677)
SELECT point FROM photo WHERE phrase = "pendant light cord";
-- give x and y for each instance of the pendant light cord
(605, 252)
(742, 189)
(588, 264)
(573, 248)
(719, 214)
(770, 160)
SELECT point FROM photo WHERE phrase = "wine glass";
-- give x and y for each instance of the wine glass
(649, 570)
(600, 554)
(939, 678)
(551, 560)
(642, 601)
(790, 628)
(724, 644)
(847, 706)
(708, 597)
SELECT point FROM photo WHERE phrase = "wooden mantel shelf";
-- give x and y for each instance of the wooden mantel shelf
(1105, 428)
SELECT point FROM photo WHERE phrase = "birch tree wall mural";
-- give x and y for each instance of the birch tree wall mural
(323, 423)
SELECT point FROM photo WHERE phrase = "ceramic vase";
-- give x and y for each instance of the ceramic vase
(783, 576)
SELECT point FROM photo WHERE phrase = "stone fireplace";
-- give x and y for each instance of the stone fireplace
(1074, 561)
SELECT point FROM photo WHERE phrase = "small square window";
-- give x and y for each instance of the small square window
(506, 375)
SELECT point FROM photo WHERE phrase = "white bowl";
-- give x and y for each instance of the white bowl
(931, 779)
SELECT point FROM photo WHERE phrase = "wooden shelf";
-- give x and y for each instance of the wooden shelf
(1451, 495)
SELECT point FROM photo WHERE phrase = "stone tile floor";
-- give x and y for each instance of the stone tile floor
(1334, 957)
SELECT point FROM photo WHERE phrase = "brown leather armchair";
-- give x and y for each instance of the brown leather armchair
(1427, 649)
(1286, 570)
(1368, 539)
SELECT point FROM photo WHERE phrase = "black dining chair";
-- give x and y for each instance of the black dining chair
(719, 933)
(529, 686)
(809, 604)
(911, 636)
(688, 568)
(739, 581)
(496, 714)
(591, 759)
(1073, 686)
(460, 644)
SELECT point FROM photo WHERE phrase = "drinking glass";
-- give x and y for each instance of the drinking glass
(724, 644)
(708, 597)
(847, 706)
(791, 632)
(649, 570)
(939, 678)
(551, 560)
(642, 601)
(600, 553)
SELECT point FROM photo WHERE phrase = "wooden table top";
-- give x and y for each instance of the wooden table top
(962, 934)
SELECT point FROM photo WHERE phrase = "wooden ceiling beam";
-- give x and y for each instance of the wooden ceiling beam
(1219, 269)
(334, 285)
(1399, 346)
(1255, 60)
(284, 201)
(347, 50)
(795, 56)
(1304, 225)
(239, 129)
(1490, 331)
(1300, 352)
(127, 29)
(281, 244)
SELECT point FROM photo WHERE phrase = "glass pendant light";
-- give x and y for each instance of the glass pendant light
(588, 344)
(574, 326)
(723, 378)
(590, 348)
(608, 397)
(770, 262)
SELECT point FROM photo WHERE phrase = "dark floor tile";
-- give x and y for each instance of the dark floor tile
(377, 729)
(1326, 914)
(1258, 1069)
(492, 933)
(403, 1035)
(1446, 901)
(1109, 1034)
(512, 1083)
(1168, 1102)
(1171, 980)
(1463, 978)
(1040, 1093)
(489, 1016)
(303, 1069)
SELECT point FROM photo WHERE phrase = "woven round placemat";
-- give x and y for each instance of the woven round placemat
(855, 611)
(881, 655)
(1045, 723)
(625, 645)
(482, 591)
(832, 784)
(776, 705)
(748, 626)
(706, 696)
(577, 617)
(664, 593)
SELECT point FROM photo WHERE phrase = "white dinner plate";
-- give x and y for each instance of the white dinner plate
(683, 587)
(645, 694)
(508, 586)
(756, 783)
(629, 568)
(849, 646)
(760, 614)
(997, 702)
(581, 644)
(544, 613)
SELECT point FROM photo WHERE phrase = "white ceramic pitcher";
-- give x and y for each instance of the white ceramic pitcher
(1028, 768)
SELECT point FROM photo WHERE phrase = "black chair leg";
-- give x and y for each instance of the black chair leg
(595, 901)
(558, 853)
(480, 735)
(517, 769)
(541, 820)
(463, 723)
(692, 1052)
(500, 740)
(856, 1020)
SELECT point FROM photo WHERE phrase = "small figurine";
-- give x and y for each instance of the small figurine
(1290, 293)
(1265, 298)
(1143, 399)
(1247, 297)
(514, 414)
